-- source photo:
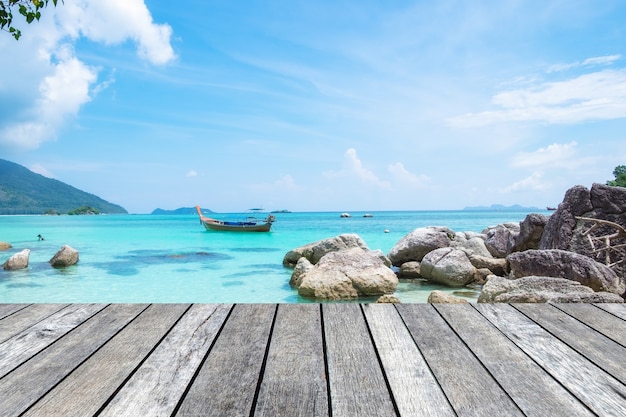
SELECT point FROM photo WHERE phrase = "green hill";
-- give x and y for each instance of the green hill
(25, 192)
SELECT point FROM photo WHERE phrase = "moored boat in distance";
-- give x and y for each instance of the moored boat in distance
(345, 215)
(249, 224)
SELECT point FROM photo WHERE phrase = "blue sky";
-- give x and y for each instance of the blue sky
(319, 106)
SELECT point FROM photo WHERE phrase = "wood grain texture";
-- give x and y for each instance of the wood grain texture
(596, 389)
(516, 373)
(294, 381)
(25, 385)
(357, 383)
(91, 385)
(414, 387)
(8, 309)
(227, 382)
(24, 345)
(24, 318)
(157, 386)
(471, 390)
(618, 310)
(599, 349)
(606, 323)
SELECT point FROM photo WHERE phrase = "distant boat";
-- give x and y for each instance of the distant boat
(551, 208)
(345, 215)
(281, 211)
(367, 215)
(249, 224)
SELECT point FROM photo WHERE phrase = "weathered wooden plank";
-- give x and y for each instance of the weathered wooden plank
(356, 380)
(602, 393)
(616, 309)
(596, 347)
(157, 386)
(88, 388)
(25, 385)
(294, 381)
(604, 322)
(29, 342)
(8, 309)
(413, 385)
(226, 384)
(456, 368)
(24, 318)
(516, 373)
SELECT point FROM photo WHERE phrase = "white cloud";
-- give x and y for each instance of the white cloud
(595, 96)
(353, 168)
(589, 62)
(191, 174)
(552, 156)
(402, 175)
(40, 169)
(47, 83)
(532, 183)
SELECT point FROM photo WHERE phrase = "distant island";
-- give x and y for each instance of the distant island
(23, 191)
(500, 207)
(181, 210)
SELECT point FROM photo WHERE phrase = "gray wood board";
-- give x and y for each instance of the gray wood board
(356, 380)
(604, 352)
(616, 309)
(471, 390)
(8, 309)
(294, 381)
(157, 386)
(413, 385)
(599, 391)
(227, 381)
(24, 345)
(25, 318)
(26, 384)
(601, 320)
(531, 387)
(89, 387)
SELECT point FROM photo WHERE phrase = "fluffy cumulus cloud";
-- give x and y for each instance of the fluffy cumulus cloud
(552, 156)
(534, 182)
(353, 168)
(47, 83)
(401, 174)
(595, 95)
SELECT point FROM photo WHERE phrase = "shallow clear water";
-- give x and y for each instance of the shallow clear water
(150, 258)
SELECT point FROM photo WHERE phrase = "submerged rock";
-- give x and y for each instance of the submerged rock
(537, 289)
(17, 261)
(64, 257)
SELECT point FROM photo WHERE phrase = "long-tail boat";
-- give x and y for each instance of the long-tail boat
(249, 224)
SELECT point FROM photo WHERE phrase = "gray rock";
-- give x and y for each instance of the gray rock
(537, 289)
(346, 274)
(64, 257)
(415, 245)
(440, 297)
(497, 266)
(388, 299)
(448, 266)
(17, 261)
(316, 250)
(499, 238)
(474, 245)
(531, 230)
(569, 265)
(410, 270)
(302, 267)
(5, 245)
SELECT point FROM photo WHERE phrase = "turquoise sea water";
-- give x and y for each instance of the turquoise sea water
(171, 258)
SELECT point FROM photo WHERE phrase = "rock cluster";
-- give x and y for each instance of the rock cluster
(66, 256)
(578, 254)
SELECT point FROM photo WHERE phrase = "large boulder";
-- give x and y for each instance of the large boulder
(538, 289)
(17, 261)
(409, 270)
(499, 238)
(497, 266)
(448, 266)
(530, 232)
(346, 274)
(5, 245)
(471, 244)
(415, 245)
(301, 268)
(64, 257)
(316, 250)
(569, 265)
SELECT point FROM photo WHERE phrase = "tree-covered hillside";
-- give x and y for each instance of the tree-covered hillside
(25, 192)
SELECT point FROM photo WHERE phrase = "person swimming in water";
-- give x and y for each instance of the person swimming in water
(40, 237)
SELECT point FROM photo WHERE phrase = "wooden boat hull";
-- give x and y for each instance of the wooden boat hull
(219, 225)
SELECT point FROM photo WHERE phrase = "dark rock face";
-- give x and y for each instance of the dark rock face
(531, 230)
(563, 231)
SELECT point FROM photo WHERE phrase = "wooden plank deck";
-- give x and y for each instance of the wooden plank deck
(312, 360)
